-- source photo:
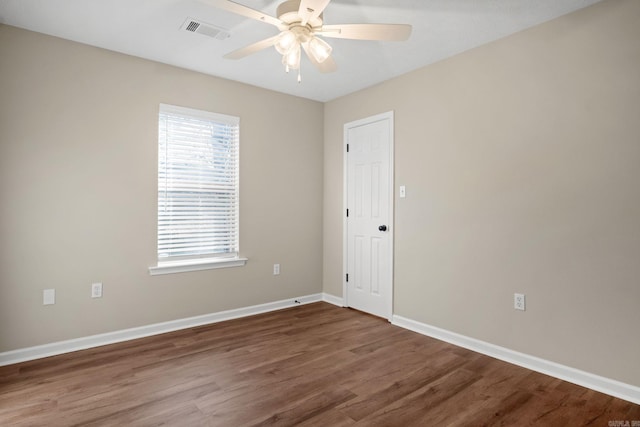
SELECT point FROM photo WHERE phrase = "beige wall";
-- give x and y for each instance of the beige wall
(521, 161)
(78, 165)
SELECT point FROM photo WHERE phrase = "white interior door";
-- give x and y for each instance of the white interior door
(369, 215)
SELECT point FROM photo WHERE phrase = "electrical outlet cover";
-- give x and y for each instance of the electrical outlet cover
(519, 302)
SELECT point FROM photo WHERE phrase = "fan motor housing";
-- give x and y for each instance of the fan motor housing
(288, 13)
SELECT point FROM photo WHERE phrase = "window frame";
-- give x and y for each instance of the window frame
(206, 261)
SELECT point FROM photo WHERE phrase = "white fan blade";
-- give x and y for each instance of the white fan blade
(252, 48)
(239, 9)
(311, 9)
(326, 66)
(385, 32)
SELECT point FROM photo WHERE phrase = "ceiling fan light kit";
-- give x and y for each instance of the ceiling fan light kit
(300, 23)
(320, 49)
(285, 42)
(291, 59)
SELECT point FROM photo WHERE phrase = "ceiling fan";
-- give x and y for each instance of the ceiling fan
(300, 23)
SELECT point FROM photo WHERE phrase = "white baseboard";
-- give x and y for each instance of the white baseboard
(52, 349)
(605, 385)
(332, 299)
(595, 382)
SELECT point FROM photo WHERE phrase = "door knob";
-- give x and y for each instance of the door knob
(382, 228)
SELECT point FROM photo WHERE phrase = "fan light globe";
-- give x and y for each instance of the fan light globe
(319, 49)
(286, 41)
(291, 59)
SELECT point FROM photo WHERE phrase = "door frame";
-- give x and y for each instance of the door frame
(389, 116)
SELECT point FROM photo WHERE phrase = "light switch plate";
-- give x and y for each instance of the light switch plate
(403, 192)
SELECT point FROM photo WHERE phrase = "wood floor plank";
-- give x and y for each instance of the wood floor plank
(332, 417)
(398, 386)
(297, 411)
(418, 407)
(312, 365)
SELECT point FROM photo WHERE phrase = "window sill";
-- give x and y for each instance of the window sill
(183, 266)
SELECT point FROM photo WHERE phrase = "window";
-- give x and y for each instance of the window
(198, 190)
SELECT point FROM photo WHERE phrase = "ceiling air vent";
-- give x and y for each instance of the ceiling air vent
(194, 26)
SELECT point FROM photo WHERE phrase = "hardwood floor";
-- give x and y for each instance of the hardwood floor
(314, 365)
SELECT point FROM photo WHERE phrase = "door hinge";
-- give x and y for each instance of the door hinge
(347, 277)
(347, 148)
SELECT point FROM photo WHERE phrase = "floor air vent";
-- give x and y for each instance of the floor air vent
(194, 26)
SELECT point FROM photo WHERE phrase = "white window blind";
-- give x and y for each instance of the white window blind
(197, 184)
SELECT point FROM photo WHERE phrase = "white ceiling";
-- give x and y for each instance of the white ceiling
(151, 29)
